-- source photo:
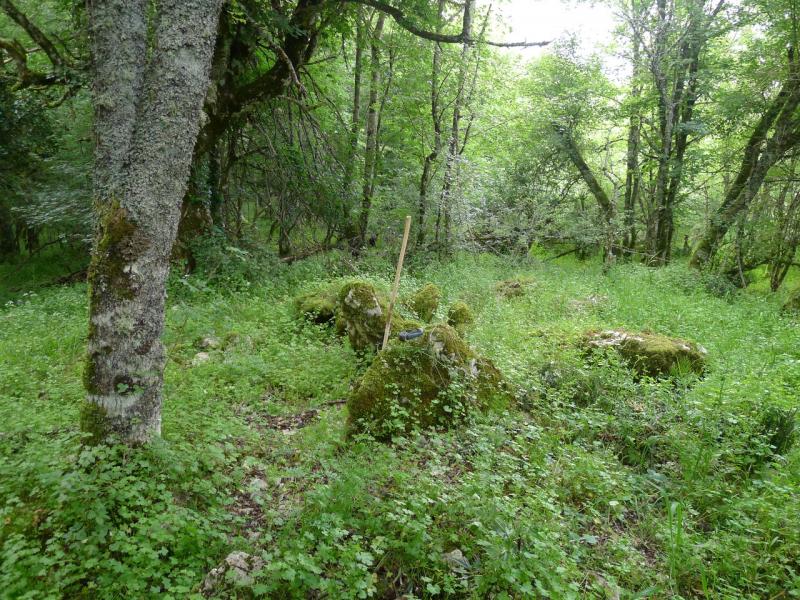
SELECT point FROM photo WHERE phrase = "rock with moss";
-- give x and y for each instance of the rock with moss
(320, 305)
(434, 381)
(460, 317)
(513, 288)
(792, 305)
(650, 353)
(425, 301)
(361, 315)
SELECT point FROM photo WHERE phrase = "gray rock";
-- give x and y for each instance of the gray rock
(209, 343)
(200, 358)
(240, 565)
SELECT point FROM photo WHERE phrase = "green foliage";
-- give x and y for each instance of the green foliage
(593, 483)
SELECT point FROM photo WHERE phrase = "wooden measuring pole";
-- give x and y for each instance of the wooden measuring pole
(396, 286)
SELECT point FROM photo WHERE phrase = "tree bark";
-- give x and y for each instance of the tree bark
(147, 116)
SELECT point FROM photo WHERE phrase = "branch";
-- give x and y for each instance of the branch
(403, 21)
(36, 34)
(19, 56)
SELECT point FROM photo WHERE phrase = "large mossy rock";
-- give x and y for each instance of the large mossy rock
(460, 317)
(425, 301)
(434, 381)
(649, 353)
(361, 315)
(320, 305)
(792, 305)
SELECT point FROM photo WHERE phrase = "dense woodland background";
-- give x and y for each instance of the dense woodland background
(203, 170)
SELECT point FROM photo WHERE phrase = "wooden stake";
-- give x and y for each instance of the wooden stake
(396, 286)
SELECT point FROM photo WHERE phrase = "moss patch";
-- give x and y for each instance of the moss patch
(434, 381)
(114, 252)
(425, 301)
(361, 315)
(460, 317)
(650, 353)
(792, 305)
(94, 422)
(320, 305)
(513, 288)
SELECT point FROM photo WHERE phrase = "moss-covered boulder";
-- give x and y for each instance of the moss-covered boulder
(460, 317)
(425, 301)
(320, 305)
(792, 305)
(513, 288)
(436, 381)
(361, 315)
(650, 353)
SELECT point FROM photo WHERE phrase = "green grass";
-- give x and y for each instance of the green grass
(598, 485)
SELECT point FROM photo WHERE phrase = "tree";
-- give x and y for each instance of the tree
(148, 94)
(776, 133)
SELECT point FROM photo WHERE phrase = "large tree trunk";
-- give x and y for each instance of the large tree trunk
(147, 116)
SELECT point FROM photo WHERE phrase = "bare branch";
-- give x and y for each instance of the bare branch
(403, 21)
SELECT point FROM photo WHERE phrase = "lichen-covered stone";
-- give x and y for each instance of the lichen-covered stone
(435, 381)
(650, 353)
(513, 288)
(237, 569)
(318, 306)
(460, 317)
(425, 301)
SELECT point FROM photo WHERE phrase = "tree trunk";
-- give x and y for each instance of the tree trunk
(350, 224)
(436, 119)
(371, 152)
(453, 152)
(8, 238)
(147, 116)
(604, 202)
(760, 154)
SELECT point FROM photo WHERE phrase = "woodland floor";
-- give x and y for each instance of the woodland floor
(597, 485)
